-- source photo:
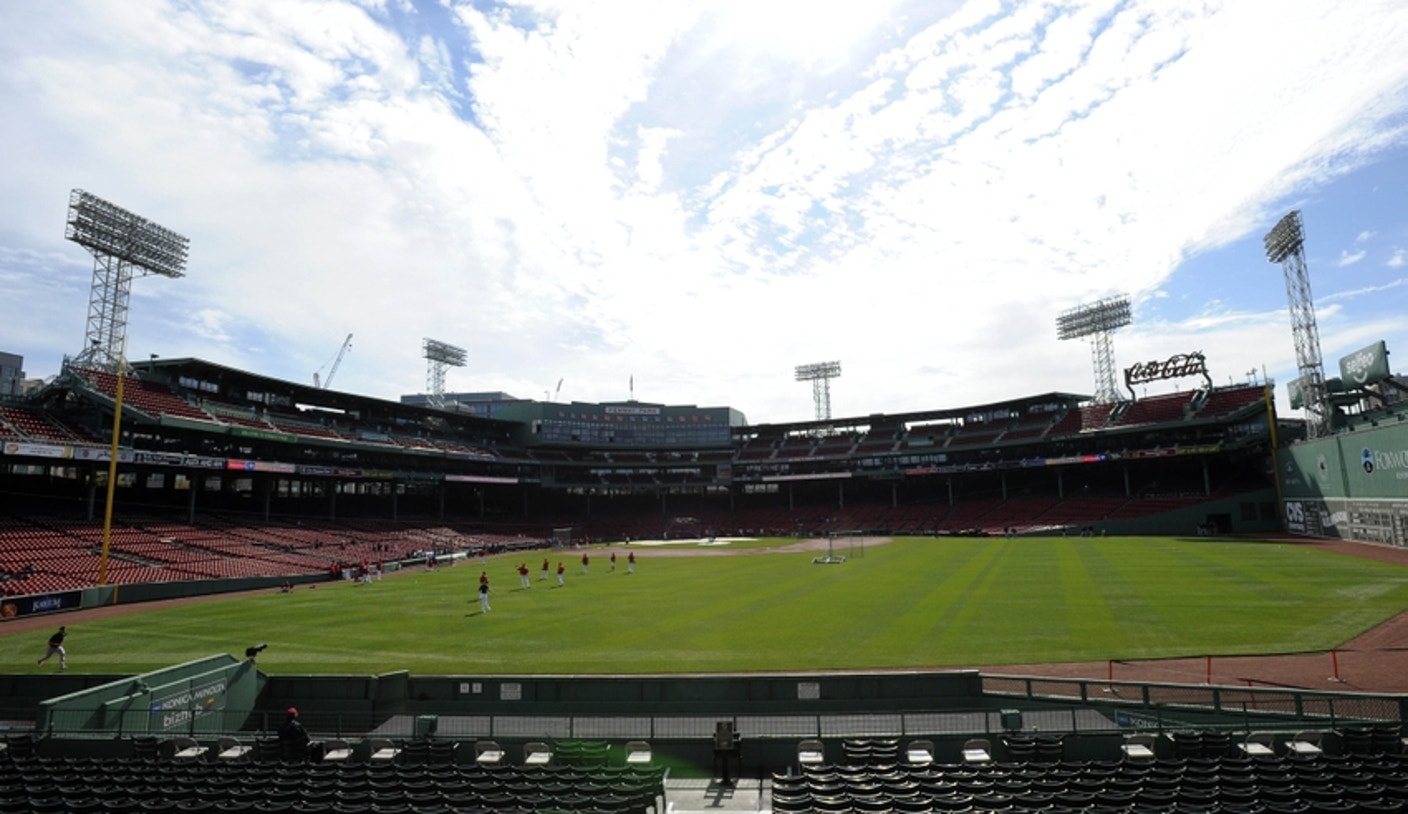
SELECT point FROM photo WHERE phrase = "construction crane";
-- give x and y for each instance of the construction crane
(326, 383)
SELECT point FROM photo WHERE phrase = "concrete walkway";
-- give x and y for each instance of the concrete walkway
(709, 796)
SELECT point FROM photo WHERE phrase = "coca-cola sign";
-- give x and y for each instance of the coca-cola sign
(1174, 367)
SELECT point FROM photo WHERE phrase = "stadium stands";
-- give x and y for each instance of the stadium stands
(25, 425)
(1139, 782)
(236, 476)
(35, 784)
(1230, 401)
(45, 554)
(877, 441)
(154, 400)
(40, 553)
(1154, 410)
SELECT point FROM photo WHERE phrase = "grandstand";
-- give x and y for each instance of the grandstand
(230, 480)
(227, 474)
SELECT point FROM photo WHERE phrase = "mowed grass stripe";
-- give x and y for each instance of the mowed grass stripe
(1091, 592)
(1272, 586)
(916, 603)
(1141, 627)
(923, 597)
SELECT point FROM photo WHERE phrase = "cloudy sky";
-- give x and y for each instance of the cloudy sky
(691, 198)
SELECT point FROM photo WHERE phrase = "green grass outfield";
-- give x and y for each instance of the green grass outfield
(913, 603)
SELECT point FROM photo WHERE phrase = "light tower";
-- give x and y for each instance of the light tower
(1284, 245)
(123, 246)
(820, 375)
(439, 356)
(1098, 320)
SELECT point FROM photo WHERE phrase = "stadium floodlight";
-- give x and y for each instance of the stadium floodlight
(123, 246)
(820, 375)
(1098, 320)
(439, 355)
(1285, 244)
(1286, 238)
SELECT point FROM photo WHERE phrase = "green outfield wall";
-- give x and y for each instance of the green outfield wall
(368, 698)
(1352, 486)
(1252, 512)
(182, 588)
(210, 695)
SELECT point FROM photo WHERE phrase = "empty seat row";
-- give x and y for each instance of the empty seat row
(1226, 784)
(488, 753)
(1370, 740)
(133, 784)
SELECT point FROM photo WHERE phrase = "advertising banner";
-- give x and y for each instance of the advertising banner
(1352, 486)
(40, 603)
(260, 466)
(37, 450)
(1365, 366)
(1376, 463)
(172, 709)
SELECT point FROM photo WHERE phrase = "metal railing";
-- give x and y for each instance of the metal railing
(1162, 706)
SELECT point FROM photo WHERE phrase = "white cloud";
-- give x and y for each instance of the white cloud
(699, 195)
(1350, 258)
(1359, 292)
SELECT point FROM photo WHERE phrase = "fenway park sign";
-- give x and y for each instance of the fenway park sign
(1174, 367)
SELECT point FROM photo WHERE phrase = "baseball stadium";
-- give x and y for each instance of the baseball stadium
(276, 596)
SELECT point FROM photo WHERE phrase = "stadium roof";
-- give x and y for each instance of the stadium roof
(305, 394)
(1016, 405)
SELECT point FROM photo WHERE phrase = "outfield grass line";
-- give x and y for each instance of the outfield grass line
(914, 603)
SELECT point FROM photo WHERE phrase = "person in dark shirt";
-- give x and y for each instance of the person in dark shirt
(293, 737)
(56, 647)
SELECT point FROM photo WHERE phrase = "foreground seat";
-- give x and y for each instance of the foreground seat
(184, 748)
(488, 753)
(1258, 744)
(977, 750)
(227, 748)
(382, 750)
(337, 751)
(536, 753)
(637, 753)
(919, 753)
(1305, 744)
(1138, 747)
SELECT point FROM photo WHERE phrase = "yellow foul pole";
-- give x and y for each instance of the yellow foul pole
(112, 464)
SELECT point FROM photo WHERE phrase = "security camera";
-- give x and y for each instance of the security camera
(251, 652)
